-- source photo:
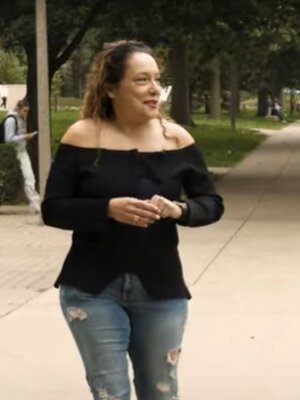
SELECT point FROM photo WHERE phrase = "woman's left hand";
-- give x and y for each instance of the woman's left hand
(167, 208)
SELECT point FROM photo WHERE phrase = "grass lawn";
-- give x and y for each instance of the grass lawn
(220, 146)
(223, 148)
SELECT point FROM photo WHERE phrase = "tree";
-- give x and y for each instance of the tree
(171, 25)
(75, 70)
(68, 21)
(11, 69)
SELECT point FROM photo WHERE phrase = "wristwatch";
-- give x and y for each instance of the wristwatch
(184, 210)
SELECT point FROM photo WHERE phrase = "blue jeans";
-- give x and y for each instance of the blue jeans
(123, 320)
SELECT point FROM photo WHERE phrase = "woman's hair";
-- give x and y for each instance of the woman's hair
(23, 103)
(107, 70)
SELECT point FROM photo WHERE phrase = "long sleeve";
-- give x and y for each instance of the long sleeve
(61, 207)
(204, 204)
(10, 131)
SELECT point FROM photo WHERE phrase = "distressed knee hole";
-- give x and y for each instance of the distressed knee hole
(76, 313)
(173, 356)
(163, 387)
(104, 395)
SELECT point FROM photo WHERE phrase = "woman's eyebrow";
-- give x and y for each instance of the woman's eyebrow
(148, 73)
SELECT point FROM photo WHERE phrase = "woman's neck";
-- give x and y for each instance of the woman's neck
(133, 128)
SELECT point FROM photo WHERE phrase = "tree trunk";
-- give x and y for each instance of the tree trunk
(215, 89)
(32, 98)
(180, 103)
(276, 80)
(44, 148)
(234, 92)
(262, 104)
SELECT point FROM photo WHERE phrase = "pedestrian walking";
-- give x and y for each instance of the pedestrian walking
(3, 95)
(15, 132)
(277, 110)
(116, 182)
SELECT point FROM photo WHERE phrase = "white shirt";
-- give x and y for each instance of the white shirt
(13, 135)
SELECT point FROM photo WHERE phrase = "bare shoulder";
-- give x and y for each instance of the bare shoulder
(81, 133)
(181, 135)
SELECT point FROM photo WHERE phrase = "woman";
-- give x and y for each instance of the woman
(116, 182)
(16, 133)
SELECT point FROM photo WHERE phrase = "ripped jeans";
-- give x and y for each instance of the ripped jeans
(123, 320)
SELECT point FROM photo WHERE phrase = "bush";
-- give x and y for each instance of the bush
(10, 175)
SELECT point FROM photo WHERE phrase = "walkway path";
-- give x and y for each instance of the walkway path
(243, 335)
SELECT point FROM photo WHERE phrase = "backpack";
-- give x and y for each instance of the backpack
(2, 128)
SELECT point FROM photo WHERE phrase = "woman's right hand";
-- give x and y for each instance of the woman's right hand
(29, 136)
(132, 211)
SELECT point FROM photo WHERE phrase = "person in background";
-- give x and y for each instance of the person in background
(277, 110)
(3, 95)
(15, 132)
(116, 182)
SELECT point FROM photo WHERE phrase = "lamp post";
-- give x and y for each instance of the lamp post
(44, 147)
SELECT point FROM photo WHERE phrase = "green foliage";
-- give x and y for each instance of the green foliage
(263, 36)
(60, 122)
(70, 103)
(11, 70)
(10, 175)
(56, 84)
(74, 71)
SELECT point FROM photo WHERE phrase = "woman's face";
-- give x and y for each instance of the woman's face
(137, 94)
(23, 111)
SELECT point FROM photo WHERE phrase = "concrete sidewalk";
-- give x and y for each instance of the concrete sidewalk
(243, 335)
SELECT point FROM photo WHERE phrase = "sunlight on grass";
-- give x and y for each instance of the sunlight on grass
(219, 145)
(247, 119)
(223, 148)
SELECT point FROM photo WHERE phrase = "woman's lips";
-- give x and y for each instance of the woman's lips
(151, 103)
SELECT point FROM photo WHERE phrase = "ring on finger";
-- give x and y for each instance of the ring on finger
(136, 218)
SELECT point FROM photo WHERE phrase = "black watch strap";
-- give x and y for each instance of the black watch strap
(184, 211)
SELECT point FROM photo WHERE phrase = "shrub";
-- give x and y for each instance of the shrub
(10, 175)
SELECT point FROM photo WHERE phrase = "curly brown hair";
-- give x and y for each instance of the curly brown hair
(106, 71)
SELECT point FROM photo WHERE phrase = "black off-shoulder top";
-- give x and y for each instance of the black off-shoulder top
(83, 180)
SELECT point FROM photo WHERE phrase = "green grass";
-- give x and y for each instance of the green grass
(220, 146)
(69, 102)
(247, 120)
(223, 148)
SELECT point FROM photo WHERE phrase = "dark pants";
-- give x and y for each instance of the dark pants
(4, 101)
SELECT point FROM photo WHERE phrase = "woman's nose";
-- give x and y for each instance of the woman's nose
(155, 87)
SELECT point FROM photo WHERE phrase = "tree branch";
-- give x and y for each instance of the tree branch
(60, 60)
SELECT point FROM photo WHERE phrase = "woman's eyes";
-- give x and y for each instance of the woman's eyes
(142, 79)
(145, 80)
